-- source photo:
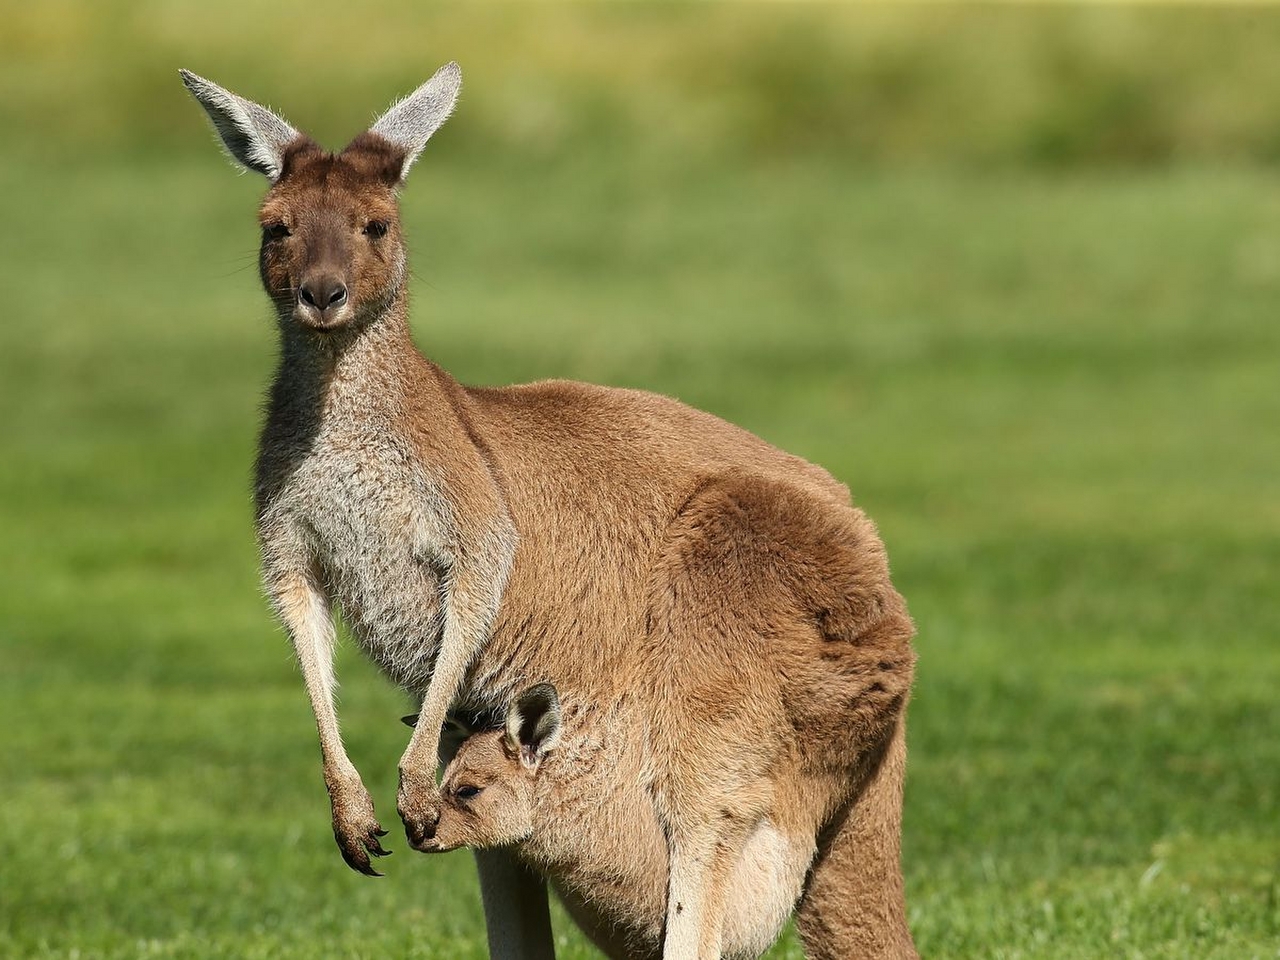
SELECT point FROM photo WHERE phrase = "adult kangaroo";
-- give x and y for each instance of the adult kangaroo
(649, 558)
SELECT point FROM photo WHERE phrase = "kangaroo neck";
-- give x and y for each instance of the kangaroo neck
(359, 372)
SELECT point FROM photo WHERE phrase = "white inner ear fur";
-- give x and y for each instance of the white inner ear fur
(253, 136)
(410, 123)
(534, 724)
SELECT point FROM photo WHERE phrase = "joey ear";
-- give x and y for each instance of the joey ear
(410, 721)
(254, 136)
(410, 123)
(534, 724)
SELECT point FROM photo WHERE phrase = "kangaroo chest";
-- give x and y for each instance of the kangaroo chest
(375, 523)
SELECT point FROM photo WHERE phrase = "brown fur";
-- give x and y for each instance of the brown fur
(535, 788)
(718, 600)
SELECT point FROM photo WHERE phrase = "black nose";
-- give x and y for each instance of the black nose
(323, 293)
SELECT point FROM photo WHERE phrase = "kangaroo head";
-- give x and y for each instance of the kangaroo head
(332, 252)
(488, 789)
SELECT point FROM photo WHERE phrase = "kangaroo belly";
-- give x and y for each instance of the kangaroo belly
(393, 609)
(374, 533)
(622, 905)
(625, 928)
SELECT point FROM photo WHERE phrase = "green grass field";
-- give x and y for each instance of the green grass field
(1055, 385)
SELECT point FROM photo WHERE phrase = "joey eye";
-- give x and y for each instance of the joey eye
(467, 792)
(375, 229)
(275, 231)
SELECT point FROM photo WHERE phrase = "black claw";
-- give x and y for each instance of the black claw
(375, 848)
(379, 832)
(359, 861)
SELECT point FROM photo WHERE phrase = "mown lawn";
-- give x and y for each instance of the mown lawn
(1057, 392)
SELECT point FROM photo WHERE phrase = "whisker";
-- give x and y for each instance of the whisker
(231, 273)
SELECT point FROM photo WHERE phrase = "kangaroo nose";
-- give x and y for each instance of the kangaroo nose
(323, 293)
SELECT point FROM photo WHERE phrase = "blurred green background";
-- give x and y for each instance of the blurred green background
(1010, 272)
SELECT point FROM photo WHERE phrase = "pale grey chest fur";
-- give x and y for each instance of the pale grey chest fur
(377, 526)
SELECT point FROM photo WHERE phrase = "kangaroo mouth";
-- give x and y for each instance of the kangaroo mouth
(436, 845)
(312, 319)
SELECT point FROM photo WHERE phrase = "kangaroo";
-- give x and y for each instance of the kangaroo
(534, 786)
(721, 598)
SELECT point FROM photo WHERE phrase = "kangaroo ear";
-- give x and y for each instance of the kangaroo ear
(410, 123)
(254, 136)
(410, 721)
(534, 724)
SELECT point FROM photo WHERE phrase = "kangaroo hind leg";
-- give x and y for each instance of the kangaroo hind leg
(702, 862)
(853, 904)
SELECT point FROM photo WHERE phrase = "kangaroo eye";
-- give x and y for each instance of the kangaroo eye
(275, 231)
(375, 229)
(467, 792)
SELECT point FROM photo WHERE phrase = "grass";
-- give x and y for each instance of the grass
(1053, 387)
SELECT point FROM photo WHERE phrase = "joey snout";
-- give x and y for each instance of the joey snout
(438, 843)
